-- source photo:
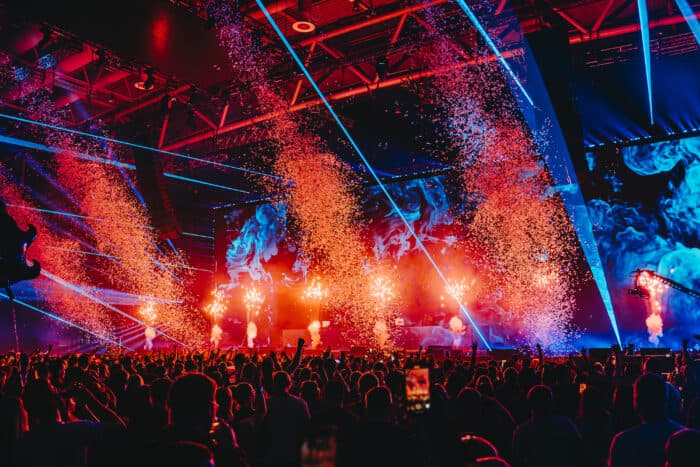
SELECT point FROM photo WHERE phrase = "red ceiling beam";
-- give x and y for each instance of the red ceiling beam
(339, 55)
(370, 22)
(101, 83)
(352, 92)
(363, 89)
(603, 15)
(151, 101)
(628, 29)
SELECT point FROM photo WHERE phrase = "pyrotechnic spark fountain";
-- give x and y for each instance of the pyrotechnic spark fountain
(315, 332)
(383, 293)
(382, 290)
(364, 160)
(215, 310)
(314, 295)
(85, 294)
(148, 315)
(253, 300)
(457, 288)
(381, 333)
(457, 329)
(656, 288)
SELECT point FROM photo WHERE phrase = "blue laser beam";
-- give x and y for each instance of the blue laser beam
(80, 155)
(371, 170)
(646, 47)
(88, 295)
(135, 145)
(192, 234)
(485, 35)
(67, 323)
(566, 184)
(690, 18)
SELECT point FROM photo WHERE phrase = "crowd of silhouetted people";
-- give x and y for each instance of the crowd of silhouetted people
(231, 408)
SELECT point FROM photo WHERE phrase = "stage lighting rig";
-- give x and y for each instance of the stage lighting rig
(147, 80)
(639, 291)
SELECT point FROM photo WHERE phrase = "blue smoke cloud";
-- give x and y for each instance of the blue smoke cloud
(257, 243)
(425, 205)
(663, 237)
(262, 235)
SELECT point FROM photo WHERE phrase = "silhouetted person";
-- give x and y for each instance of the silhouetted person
(379, 440)
(682, 449)
(285, 424)
(544, 439)
(192, 412)
(595, 425)
(643, 445)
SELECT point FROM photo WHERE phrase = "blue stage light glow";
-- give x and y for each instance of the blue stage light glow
(67, 323)
(134, 145)
(196, 235)
(20, 73)
(560, 166)
(485, 35)
(661, 234)
(690, 17)
(370, 169)
(646, 47)
(46, 61)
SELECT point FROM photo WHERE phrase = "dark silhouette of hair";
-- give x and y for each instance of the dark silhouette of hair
(650, 397)
(281, 381)
(243, 394)
(540, 399)
(378, 402)
(190, 398)
(334, 393)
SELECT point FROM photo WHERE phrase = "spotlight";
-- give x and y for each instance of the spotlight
(382, 67)
(146, 81)
(304, 27)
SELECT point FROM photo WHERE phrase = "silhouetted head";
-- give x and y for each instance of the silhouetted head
(378, 403)
(281, 381)
(592, 402)
(650, 397)
(41, 403)
(309, 391)
(366, 382)
(334, 393)
(485, 386)
(244, 395)
(191, 401)
(224, 400)
(540, 400)
(159, 392)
